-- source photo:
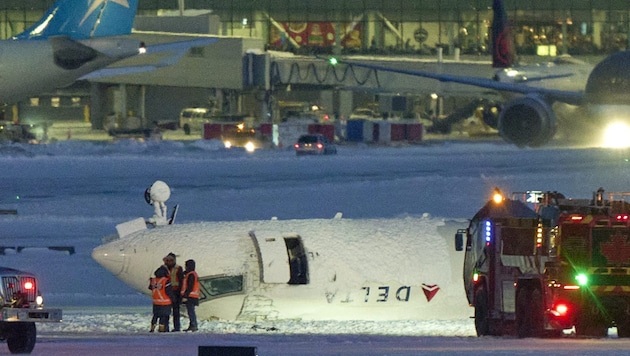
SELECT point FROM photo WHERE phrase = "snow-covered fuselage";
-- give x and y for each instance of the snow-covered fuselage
(337, 269)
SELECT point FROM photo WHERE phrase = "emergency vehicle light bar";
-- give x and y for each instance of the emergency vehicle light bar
(539, 235)
(488, 231)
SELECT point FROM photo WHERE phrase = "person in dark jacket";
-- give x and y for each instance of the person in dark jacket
(190, 293)
(176, 273)
(162, 294)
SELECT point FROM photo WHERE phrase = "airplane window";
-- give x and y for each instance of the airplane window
(214, 287)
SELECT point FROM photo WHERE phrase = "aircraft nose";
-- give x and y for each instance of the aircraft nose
(112, 258)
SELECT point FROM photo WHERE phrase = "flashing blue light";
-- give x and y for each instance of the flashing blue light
(488, 231)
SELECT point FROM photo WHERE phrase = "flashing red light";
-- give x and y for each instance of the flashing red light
(622, 217)
(320, 146)
(561, 309)
(326, 117)
(571, 287)
(28, 285)
(296, 146)
(577, 218)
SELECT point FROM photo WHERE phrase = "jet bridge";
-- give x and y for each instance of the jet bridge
(284, 70)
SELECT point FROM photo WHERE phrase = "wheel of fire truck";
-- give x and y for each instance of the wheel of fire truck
(21, 337)
(482, 314)
(590, 326)
(529, 312)
(623, 329)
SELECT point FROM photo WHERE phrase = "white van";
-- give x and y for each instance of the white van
(192, 119)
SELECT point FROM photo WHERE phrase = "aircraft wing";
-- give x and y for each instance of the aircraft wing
(569, 97)
(178, 49)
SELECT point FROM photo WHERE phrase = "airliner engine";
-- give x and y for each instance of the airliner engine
(609, 82)
(527, 121)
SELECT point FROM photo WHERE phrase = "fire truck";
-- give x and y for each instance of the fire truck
(538, 263)
(21, 305)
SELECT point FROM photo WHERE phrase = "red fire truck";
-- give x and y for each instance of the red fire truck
(538, 263)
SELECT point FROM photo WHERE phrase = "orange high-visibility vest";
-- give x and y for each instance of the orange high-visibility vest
(158, 287)
(194, 293)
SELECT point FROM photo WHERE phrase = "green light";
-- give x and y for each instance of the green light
(333, 61)
(582, 279)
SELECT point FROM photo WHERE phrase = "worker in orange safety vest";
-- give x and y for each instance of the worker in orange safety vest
(162, 294)
(190, 293)
(176, 273)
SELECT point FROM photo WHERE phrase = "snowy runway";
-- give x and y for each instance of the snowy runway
(320, 345)
(74, 193)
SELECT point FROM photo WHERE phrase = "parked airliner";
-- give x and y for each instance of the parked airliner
(599, 96)
(74, 38)
(311, 269)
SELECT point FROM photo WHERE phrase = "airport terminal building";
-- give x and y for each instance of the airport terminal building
(409, 28)
(585, 26)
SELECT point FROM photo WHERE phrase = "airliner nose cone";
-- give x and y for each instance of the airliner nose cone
(112, 259)
(609, 82)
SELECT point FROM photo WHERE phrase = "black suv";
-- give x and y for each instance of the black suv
(314, 145)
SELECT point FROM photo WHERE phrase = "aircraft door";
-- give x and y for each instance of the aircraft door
(298, 264)
(273, 257)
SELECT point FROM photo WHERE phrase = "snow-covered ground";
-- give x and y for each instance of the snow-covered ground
(73, 193)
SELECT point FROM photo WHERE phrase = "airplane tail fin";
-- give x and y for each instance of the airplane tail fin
(81, 19)
(503, 54)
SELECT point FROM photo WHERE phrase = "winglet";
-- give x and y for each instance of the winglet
(84, 19)
(503, 55)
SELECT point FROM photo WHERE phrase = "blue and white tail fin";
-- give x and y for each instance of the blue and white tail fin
(503, 55)
(81, 19)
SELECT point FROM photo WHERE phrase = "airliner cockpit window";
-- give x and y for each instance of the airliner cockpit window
(214, 287)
